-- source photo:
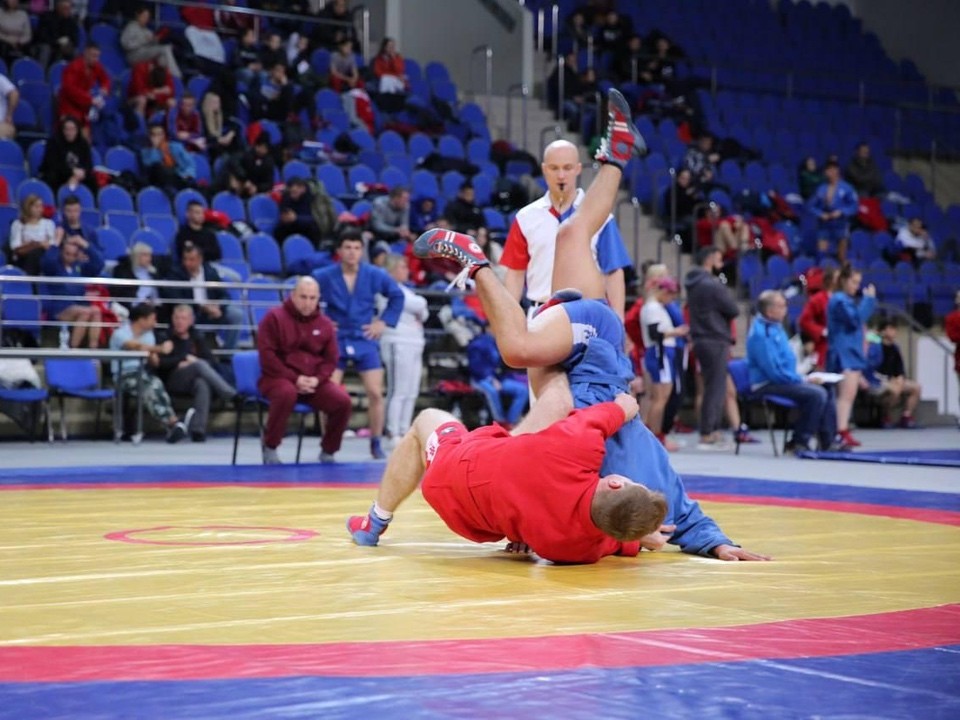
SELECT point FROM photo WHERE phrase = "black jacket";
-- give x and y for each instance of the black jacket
(712, 307)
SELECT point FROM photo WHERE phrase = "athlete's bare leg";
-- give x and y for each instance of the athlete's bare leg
(554, 402)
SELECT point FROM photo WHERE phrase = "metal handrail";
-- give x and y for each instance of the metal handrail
(524, 94)
(364, 13)
(487, 51)
(238, 10)
(555, 22)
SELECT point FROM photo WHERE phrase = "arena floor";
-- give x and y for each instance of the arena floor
(157, 582)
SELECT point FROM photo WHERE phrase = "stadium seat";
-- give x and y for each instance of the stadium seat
(496, 222)
(420, 146)
(333, 181)
(231, 205)
(26, 69)
(263, 254)
(35, 187)
(152, 238)
(296, 247)
(77, 379)
(424, 184)
(360, 174)
(153, 201)
(126, 223)
(296, 168)
(121, 158)
(81, 192)
(449, 146)
(113, 198)
(112, 243)
(263, 212)
(164, 224)
(391, 141)
(771, 404)
(230, 247)
(450, 183)
(393, 177)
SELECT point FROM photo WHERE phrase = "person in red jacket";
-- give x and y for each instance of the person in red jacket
(952, 326)
(542, 491)
(298, 354)
(389, 68)
(151, 89)
(813, 319)
(84, 87)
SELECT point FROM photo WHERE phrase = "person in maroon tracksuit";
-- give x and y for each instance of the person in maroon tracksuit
(298, 354)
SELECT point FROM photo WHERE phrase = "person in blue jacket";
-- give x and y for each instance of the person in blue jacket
(834, 204)
(845, 354)
(75, 257)
(486, 376)
(773, 371)
(348, 291)
(577, 333)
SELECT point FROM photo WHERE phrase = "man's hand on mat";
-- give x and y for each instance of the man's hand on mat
(518, 548)
(658, 538)
(732, 553)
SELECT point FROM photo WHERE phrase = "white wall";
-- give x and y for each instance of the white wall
(449, 30)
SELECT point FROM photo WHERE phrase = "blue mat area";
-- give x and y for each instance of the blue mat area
(939, 458)
(896, 685)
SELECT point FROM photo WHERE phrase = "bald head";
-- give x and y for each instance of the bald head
(561, 167)
(305, 295)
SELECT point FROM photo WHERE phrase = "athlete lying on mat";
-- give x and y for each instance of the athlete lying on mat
(585, 339)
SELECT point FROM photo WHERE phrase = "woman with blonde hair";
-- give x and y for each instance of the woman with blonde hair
(30, 235)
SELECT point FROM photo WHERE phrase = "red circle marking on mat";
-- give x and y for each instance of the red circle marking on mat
(293, 535)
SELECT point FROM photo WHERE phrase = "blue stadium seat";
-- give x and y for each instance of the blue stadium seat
(126, 223)
(296, 247)
(320, 62)
(414, 71)
(55, 72)
(296, 168)
(204, 174)
(496, 222)
(263, 254)
(450, 183)
(420, 146)
(424, 184)
(401, 161)
(34, 92)
(26, 69)
(436, 71)
(483, 189)
(478, 150)
(393, 177)
(449, 146)
(361, 207)
(20, 312)
(332, 178)
(198, 85)
(363, 139)
(155, 240)
(231, 205)
(122, 158)
(373, 159)
(360, 174)
(35, 187)
(164, 224)
(112, 198)
(263, 212)
(11, 154)
(153, 201)
(391, 141)
(230, 247)
(112, 243)
(81, 192)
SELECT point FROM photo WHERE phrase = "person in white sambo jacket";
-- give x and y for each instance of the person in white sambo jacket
(402, 351)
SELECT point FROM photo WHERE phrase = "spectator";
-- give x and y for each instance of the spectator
(167, 163)
(272, 53)
(914, 243)
(58, 34)
(350, 289)
(15, 31)
(75, 258)
(137, 334)
(701, 160)
(731, 233)
(712, 308)
(528, 253)
(298, 357)
(573, 98)
(886, 374)
(487, 376)
(67, 158)
(71, 228)
(688, 197)
(151, 89)
(660, 357)
(9, 99)
(628, 60)
(390, 69)
(137, 265)
(863, 174)
(773, 371)
(951, 326)
(338, 28)
(31, 235)
(140, 43)
(463, 213)
(492, 250)
(253, 173)
(845, 320)
(190, 369)
(809, 177)
(296, 213)
(211, 305)
(402, 351)
(84, 88)
(813, 318)
(223, 136)
(578, 30)
(248, 58)
(659, 68)
(344, 73)
(273, 98)
(614, 32)
(834, 204)
(185, 124)
(390, 215)
(423, 216)
(195, 232)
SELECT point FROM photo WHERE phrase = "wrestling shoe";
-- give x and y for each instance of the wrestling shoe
(621, 140)
(366, 529)
(848, 440)
(450, 245)
(376, 450)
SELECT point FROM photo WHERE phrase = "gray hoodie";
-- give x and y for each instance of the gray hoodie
(712, 307)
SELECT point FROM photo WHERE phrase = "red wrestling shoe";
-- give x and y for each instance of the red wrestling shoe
(621, 140)
(847, 440)
(450, 245)
(366, 529)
